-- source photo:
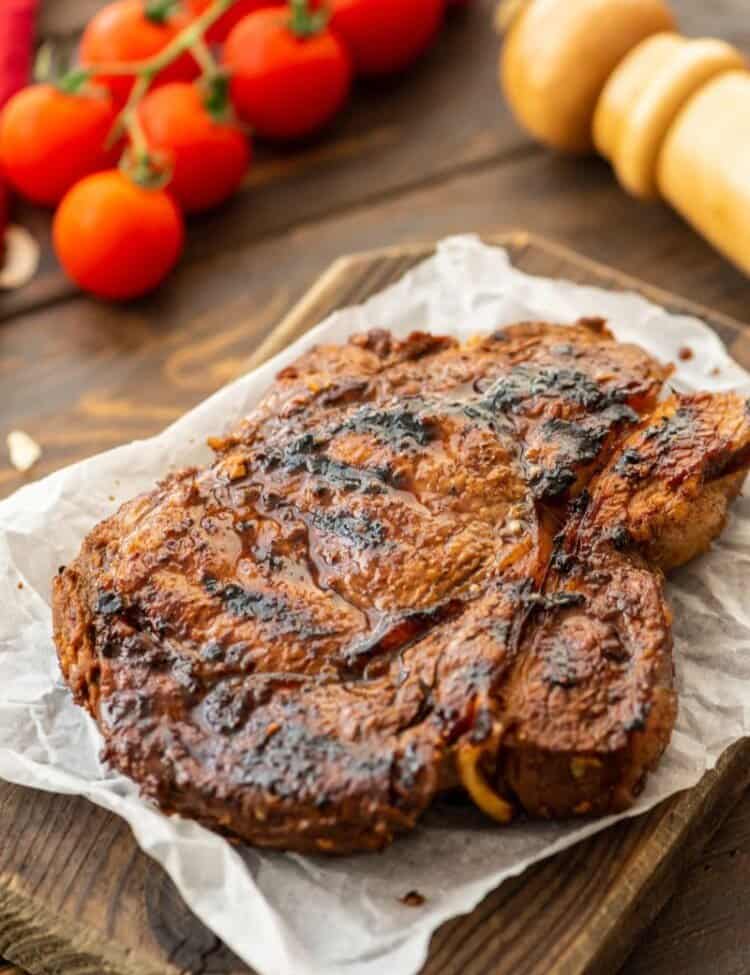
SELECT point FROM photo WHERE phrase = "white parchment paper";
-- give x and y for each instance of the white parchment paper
(309, 915)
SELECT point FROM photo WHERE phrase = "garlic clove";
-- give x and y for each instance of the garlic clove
(22, 255)
(24, 451)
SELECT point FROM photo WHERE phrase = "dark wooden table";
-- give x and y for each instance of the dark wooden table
(435, 153)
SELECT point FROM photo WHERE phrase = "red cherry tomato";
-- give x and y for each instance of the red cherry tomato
(285, 86)
(219, 32)
(49, 140)
(116, 239)
(209, 157)
(386, 36)
(122, 31)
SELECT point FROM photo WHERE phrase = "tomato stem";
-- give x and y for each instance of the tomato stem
(138, 140)
(159, 11)
(216, 100)
(214, 83)
(191, 38)
(74, 81)
(127, 120)
(182, 42)
(42, 70)
(139, 162)
(148, 169)
(305, 22)
(202, 54)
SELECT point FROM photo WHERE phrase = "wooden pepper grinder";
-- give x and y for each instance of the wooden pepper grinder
(671, 114)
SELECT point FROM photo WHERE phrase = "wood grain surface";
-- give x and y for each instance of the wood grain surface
(77, 896)
(432, 153)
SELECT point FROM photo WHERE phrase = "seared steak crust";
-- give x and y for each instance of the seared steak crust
(416, 565)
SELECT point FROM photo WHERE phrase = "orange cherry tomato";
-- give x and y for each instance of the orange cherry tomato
(123, 31)
(284, 85)
(386, 36)
(49, 140)
(209, 156)
(219, 31)
(115, 238)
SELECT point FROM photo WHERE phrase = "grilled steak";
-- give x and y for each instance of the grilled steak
(416, 566)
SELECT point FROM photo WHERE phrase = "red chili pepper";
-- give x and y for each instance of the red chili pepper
(16, 42)
(3, 217)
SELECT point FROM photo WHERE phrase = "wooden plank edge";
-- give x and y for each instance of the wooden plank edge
(288, 328)
(519, 239)
(623, 281)
(317, 302)
(689, 823)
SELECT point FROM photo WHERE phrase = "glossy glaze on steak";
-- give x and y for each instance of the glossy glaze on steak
(415, 566)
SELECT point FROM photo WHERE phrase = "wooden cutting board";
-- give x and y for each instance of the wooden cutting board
(77, 896)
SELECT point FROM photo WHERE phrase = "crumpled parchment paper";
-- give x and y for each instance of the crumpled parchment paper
(289, 914)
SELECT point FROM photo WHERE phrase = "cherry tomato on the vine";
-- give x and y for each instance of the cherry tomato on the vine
(124, 31)
(115, 238)
(208, 152)
(285, 84)
(386, 36)
(219, 31)
(50, 139)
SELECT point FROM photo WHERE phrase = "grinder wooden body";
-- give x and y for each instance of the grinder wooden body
(558, 55)
(704, 165)
(671, 114)
(643, 97)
